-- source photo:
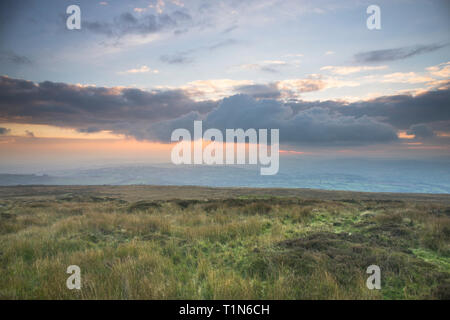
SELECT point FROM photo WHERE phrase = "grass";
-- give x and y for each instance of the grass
(241, 245)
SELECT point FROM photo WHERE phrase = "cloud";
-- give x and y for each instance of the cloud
(142, 69)
(406, 77)
(12, 57)
(345, 70)
(152, 115)
(123, 110)
(158, 6)
(129, 24)
(293, 88)
(312, 126)
(395, 53)
(139, 10)
(177, 3)
(184, 57)
(88, 130)
(302, 85)
(405, 110)
(271, 66)
(441, 70)
(214, 89)
(421, 131)
(4, 131)
(440, 84)
(316, 125)
(254, 66)
(260, 91)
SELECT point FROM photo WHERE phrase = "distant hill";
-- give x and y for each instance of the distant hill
(28, 179)
(339, 174)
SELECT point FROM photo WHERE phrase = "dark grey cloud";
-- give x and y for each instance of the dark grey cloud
(316, 125)
(313, 126)
(127, 23)
(405, 110)
(89, 130)
(325, 122)
(153, 115)
(4, 131)
(421, 131)
(12, 57)
(92, 108)
(162, 131)
(395, 53)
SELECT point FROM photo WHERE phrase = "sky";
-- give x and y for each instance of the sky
(114, 90)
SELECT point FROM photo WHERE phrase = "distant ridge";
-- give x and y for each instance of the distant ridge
(349, 175)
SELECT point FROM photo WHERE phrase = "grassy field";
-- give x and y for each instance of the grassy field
(144, 242)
